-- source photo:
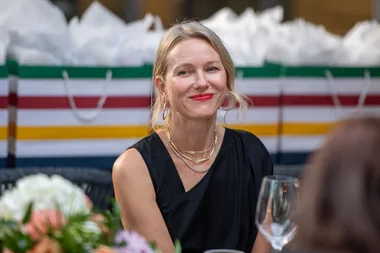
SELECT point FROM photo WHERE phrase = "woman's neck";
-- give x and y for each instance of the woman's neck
(192, 135)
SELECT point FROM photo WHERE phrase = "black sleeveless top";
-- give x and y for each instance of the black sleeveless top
(219, 211)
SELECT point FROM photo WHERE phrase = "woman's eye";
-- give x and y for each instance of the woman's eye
(183, 72)
(212, 69)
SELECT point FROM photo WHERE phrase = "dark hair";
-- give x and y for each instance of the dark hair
(340, 191)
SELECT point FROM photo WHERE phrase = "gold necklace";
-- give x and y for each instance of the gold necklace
(194, 152)
(184, 157)
(191, 152)
(199, 161)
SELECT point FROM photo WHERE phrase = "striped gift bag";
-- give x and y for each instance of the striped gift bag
(77, 116)
(262, 86)
(316, 98)
(4, 91)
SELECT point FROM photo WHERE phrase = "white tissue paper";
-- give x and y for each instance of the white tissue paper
(97, 16)
(255, 38)
(144, 42)
(103, 39)
(361, 45)
(35, 32)
(97, 36)
(40, 35)
(245, 36)
(301, 43)
(38, 32)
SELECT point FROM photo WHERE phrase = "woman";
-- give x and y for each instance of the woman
(340, 198)
(190, 179)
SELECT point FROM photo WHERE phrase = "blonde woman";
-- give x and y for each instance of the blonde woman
(190, 179)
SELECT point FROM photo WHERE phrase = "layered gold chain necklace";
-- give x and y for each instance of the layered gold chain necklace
(183, 154)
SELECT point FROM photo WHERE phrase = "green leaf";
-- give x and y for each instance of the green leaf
(7, 230)
(7, 227)
(67, 242)
(177, 246)
(113, 223)
(120, 244)
(78, 218)
(74, 237)
(153, 245)
(28, 213)
(18, 242)
(115, 208)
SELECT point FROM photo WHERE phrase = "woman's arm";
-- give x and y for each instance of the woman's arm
(135, 194)
(261, 244)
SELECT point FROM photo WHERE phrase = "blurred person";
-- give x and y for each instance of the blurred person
(192, 180)
(340, 191)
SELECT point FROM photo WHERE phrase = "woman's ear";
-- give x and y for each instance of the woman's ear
(160, 85)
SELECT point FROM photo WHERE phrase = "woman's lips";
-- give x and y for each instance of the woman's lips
(202, 97)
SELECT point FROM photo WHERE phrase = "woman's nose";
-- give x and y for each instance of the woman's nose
(201, 81)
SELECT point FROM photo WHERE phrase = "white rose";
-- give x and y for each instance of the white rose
(46, 193)
(4, 212)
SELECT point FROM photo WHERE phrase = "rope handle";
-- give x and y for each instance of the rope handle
(363, 93)
(102, 100)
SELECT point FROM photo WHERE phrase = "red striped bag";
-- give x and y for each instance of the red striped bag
(67, 116)
(262, 87)
(316, 98)
(4, 91)
(77, 116)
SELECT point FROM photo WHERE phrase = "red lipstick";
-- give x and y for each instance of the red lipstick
(202, 97)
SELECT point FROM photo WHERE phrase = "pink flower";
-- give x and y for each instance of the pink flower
(89, 203)
(41, 220)
(134, 243)
(104, 249)
(46, 245)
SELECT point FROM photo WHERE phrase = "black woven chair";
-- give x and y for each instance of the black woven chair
(289, 170)
(97, 184)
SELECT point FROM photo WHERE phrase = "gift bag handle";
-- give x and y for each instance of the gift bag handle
(102, 100)
(363, 93)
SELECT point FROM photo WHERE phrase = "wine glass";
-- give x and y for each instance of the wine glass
(276, 209)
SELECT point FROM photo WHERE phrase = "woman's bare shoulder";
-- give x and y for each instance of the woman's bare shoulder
(130, 166)
(131, 159)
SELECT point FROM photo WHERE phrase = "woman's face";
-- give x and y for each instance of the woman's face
(195, 83)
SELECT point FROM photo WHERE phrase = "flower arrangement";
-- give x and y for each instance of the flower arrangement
(44, 214)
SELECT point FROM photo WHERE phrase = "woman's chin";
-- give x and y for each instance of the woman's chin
(204, 115)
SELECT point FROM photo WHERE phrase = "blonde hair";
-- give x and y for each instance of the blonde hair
(180, 32)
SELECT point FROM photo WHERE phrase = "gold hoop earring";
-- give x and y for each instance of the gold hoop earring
(165, 111)
(228, 104)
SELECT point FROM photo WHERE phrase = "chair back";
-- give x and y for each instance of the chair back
(96, 183)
